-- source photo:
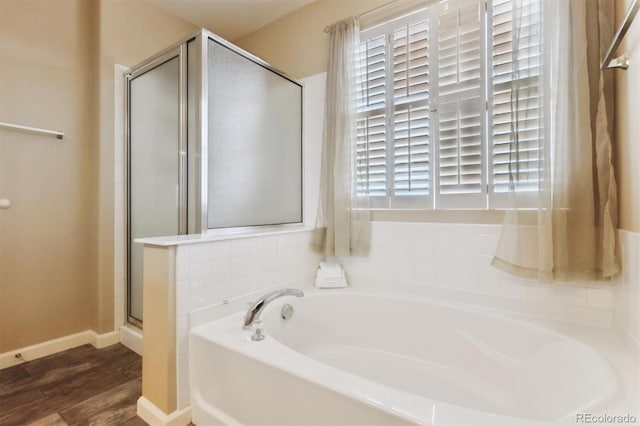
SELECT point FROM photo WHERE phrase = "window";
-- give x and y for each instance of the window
(450, 106)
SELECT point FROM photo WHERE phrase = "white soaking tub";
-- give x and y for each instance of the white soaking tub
(358, 358)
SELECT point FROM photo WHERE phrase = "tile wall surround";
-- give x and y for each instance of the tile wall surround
(626, 293)
(447, 261)
(218, 278)
(453, 261)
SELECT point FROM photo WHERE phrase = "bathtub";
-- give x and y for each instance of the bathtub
(360, 358)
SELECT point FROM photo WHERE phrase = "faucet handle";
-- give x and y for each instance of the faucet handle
(257, 334)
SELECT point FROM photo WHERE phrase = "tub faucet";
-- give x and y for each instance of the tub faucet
(253, 314)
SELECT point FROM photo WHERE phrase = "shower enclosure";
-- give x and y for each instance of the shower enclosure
(213, 144)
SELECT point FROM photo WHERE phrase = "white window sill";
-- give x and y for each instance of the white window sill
(438, 216)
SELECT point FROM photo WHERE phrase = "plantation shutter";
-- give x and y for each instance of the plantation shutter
(394, 145)
(411, 122)
(372, 123)
(461, 106)
(517, 98)
(451, 106)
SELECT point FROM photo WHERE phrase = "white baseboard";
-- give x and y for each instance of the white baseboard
(131, 337)
(154, 416)
(60, 344)
(100, 341)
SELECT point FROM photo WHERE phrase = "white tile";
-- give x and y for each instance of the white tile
(464, 278)
(183, 371)
(490, 286)
(582, 315)
(182, 298)
(248, 285)
(631, 260)
(184, 399)
(204, 316)
(221, 271)
(297, 240)
(514, 288)
(284, 241)
(272, 277)
(395, 260)
(182, 334)
(292, 273)
(482, 277)
(600, 298)
(288, 257)
(270, 261)
(634, 316)
(199, 253)
(200, 275)
(310, 260)
(203, 296)
(245, 266)
(182, 263)
(623, 236)
(245, 247)
(269, 243)
(220, 250)
(625, 292)
(569, 295)
(540, 292)
(482, 244)
(449, 245)
(354, 267)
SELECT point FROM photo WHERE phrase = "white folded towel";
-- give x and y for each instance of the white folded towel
(330, 275)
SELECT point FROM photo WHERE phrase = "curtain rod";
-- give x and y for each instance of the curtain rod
(368, 12)
(623, 61)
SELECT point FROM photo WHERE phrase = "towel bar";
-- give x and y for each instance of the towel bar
(59, 135)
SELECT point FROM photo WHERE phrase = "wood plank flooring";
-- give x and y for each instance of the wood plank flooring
(81, 386)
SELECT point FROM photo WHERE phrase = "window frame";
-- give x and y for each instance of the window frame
(386, 29)
(487, 198)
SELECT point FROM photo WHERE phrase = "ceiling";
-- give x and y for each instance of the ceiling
(230, 19)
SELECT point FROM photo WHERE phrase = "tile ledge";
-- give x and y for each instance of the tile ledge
(177, 240)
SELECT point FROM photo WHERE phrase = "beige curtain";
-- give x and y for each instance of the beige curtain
(343, 224)
(570, 234)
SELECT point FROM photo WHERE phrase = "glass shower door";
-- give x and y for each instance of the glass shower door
(156, 195)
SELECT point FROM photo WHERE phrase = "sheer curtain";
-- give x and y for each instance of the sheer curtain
(343, 224)
(570, 234)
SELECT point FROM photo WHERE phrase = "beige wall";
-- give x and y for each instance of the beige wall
(627, 141)
(296, 43)
(159, 378)
(56, 241)
(130, 31)
(47, 242)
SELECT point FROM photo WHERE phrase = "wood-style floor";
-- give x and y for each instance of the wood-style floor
(81, 386)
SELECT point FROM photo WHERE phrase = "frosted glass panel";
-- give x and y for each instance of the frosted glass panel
(154, 165)
(255, 143)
